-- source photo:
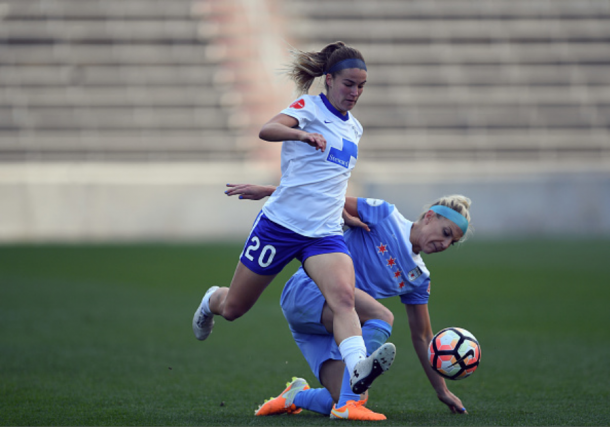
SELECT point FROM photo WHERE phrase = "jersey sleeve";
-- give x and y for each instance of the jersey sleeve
(373, 211)
(421, 295)
(303, 109)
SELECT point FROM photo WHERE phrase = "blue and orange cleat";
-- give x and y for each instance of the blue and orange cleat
(283, 404)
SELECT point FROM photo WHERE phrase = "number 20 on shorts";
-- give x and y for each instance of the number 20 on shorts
(266, 255)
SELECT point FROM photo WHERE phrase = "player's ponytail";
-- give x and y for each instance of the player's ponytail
(306, 66)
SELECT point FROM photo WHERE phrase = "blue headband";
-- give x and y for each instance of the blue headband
(347, 63)
(452, 215)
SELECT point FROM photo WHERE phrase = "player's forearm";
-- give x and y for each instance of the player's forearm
(250, 191)
(420, 344)
(277, 132)
(268, 189)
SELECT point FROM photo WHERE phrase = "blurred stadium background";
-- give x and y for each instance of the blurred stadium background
(123, 120)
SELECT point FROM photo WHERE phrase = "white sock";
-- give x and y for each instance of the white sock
(205, 307)
(352, 350)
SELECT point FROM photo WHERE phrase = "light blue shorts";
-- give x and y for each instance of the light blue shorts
(302, 304)
(270, 246)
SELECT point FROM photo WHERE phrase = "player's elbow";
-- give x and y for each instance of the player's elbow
(420, 339)
(265, 133)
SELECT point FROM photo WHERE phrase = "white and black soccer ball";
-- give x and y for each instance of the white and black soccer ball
(454, 353)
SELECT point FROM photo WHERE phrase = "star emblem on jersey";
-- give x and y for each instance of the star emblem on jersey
(298, 104)
(384, 251)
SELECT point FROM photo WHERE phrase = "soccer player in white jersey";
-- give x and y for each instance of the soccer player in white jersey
(303, 217)
(386, 249)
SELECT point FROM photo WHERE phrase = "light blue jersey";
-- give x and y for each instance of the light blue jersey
(384, 261)
(311, 194)
(385, 267)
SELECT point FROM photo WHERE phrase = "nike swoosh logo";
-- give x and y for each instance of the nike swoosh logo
(344, 414)
(327, 122)
(468, 353)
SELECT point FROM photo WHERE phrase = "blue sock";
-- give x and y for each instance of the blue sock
(346, 390)
(375, 333)
(315, 399)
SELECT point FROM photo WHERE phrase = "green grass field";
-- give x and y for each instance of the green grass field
(101, 335)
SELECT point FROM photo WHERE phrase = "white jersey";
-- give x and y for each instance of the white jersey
(311, 194)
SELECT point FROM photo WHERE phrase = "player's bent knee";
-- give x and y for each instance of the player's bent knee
(378, 312)
(341, 303)
(387, 316)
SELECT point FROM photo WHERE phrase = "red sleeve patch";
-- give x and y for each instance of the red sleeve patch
(298, 104)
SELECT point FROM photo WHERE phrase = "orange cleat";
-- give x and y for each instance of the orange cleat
(283, 403)
(356, 411)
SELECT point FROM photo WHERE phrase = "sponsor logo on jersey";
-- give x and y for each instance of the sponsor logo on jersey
(342, 157)
(414, 274)
(428, 290)
(374, 202)
(298, 104)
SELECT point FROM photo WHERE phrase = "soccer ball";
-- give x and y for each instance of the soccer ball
(454, 353)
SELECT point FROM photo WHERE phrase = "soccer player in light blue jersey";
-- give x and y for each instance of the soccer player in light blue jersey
(303, 217)
(386, 248)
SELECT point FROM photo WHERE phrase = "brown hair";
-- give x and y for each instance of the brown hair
(306, 66)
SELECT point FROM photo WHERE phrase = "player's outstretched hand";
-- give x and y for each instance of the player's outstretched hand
(249, 191)
(315, 140)
(453, 402)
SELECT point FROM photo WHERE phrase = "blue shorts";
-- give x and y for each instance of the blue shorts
(270, 247)
(302, 304)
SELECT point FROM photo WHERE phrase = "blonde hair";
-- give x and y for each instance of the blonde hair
(457, 202)
(306, 66)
